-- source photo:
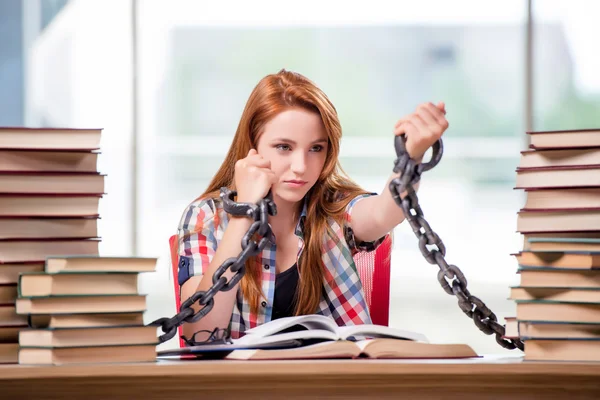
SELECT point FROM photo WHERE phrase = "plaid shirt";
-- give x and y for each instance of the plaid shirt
(202, 227)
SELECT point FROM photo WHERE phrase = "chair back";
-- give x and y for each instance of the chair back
(373, 268)
(175, 271)
(374, 271)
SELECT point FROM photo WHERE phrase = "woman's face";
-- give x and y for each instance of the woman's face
(295, 142)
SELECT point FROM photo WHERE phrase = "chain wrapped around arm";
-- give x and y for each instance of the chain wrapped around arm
(260, 214)
(450, 277)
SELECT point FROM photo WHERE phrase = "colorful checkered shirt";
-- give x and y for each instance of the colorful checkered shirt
(202, 227)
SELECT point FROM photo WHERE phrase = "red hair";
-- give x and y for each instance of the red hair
(329, 196)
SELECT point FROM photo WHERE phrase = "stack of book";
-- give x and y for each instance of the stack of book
(49, 197)
(558, 298)
(85, 310)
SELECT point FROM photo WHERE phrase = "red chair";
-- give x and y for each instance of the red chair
(373, 269)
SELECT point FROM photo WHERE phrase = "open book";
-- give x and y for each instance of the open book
(319, 327)
(371, 341)
(370, 348)
(318, 336)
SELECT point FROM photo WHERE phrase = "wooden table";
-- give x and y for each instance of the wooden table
(486, 378)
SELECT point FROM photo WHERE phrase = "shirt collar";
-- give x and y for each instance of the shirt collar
(299, 231)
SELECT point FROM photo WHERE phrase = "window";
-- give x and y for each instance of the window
(199, 62)
(566, 62)
(69, 63)
(77, 73)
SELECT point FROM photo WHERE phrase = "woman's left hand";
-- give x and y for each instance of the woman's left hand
(423, 128)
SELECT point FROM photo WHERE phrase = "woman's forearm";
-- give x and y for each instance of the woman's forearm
(230, 246)
(387, 214)
(376, 216)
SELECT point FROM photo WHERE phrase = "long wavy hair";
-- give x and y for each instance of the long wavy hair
(329, 196)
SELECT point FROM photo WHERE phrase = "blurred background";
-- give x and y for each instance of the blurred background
(167, 80)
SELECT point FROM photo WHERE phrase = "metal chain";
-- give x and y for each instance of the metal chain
(450, 277)
(260, 214)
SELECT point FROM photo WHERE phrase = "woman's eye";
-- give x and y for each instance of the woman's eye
(283, 147)
(317, 149)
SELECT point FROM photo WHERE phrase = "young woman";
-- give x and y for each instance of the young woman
(288, 141)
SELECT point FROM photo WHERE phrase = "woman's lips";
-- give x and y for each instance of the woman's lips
(295, 183)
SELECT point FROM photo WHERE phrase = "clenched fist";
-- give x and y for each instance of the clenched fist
(423, 128)
(253, 177)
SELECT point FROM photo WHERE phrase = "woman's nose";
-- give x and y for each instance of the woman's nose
(298, 163)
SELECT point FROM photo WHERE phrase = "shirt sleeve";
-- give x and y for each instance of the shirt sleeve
(197, 241)
(349, 233)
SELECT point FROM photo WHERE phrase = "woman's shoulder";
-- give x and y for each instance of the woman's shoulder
(201, 209)
(206, 205)
(349, 198)
(347, 192)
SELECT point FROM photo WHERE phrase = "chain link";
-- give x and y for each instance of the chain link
(450, 277)
(260, 228)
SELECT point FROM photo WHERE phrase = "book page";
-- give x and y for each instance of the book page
(370, 330)
(394, 348)
(250, 340)
(313, 321)
(331, 350)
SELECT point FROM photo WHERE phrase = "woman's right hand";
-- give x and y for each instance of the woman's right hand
(253, 178)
